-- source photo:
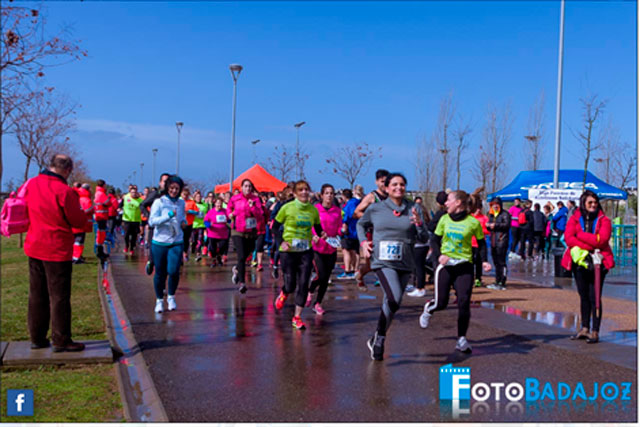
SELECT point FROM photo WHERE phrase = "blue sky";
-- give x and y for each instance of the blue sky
(354, 71)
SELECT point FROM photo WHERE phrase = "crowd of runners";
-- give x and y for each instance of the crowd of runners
(298, 234)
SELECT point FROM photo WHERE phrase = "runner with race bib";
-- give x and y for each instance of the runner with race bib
(397, 223)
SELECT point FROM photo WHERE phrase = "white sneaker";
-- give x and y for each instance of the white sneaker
(417, 293)
(463, 345)
(158, 308)
(171, 302)
(424, 318)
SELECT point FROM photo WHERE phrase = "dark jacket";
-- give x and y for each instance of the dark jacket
(433, 223)
(500, 232)
(145, 206)
(539, 221)
(527, 226)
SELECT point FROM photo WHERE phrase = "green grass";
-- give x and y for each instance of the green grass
(87, 322)
(83, 394)
(62, 394)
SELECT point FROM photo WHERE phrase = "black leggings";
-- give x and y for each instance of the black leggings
(515, 238)
(187, 238)
(393, 283)
(420, 257)
(477, 264)
(244, 247)
(461, 277)
(296, 269)
(277, 241)
(323, 264)
(197, 240)
(499, 256)
(526, 235)
(585, 282)
(215, 247)
(131, 230)
(111, 225)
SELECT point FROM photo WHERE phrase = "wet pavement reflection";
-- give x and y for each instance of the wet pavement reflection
(224, 356)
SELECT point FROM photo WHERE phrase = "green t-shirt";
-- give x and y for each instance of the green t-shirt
(298, 218)
(203, 208)
(131, 209)
(456, 236)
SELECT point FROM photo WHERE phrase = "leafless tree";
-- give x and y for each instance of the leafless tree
(281, 163)
(535, 135)
(25, 52)
(442, 135)
(497, 135)
(460, 133)
(592, 108)
(426, 169)
(41, 126)
(352, 161)
(482, 166)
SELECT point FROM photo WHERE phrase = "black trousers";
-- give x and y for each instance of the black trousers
(420, 257)
(538, 237)
(515, 238)
(461, 277)
(323, 264)
(585, 282)
(216, 247)
(296, 270)
(197, 240)
(244, 247)
(526, 235)
(187, 238)
(499, 256)
(477, 263)
(131, 231)
(49, 300)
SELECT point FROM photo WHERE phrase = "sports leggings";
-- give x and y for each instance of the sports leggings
(393, 284)
(420, 257)
(585, 282)
(167, 260)
(187, 238)
(216, 247)
(244, 247)
(323, 265)
(461, 277)
(197, 240)
(296, 268)
(131, 230)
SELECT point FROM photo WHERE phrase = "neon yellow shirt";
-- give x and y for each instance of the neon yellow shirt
(298, 218)
(456, 236)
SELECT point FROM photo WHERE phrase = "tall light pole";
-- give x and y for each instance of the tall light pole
(556, 165)
(254, 143)
(179, 127)
(298, 126)
(134, 178)
(235, 73)
(141, 175)
(153, 165)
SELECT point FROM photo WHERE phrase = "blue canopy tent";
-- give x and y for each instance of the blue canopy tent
(567, 179)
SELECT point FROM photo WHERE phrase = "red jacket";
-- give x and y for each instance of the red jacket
(113, 206)
(87, 206)
(102, 203)
(575, 236)
(54, 209)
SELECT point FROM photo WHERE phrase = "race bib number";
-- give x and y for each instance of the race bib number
(221, 219)
(334, 242)
(250, 223)
(390, 251)
(300, 245)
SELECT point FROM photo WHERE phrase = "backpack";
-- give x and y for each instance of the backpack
(14, 218)
(522, 217)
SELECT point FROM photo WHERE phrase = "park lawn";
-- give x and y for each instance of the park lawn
(62, 394)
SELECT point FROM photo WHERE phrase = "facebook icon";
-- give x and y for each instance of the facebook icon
(455, 383)
(19, 403)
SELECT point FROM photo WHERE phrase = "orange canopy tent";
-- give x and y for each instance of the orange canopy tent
(262, 180)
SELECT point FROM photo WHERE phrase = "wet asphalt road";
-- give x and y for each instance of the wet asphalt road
(231, 358)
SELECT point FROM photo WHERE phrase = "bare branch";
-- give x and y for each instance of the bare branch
(352, 161)
(535, 135)
(281, 163)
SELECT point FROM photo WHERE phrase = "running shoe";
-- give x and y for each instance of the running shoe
(344, 276)
(260, 267)
(279, 303)
(424, 318)
(224, 259)
(376, 283)
(409, 289)
(463, 345)
(494, 287)
(171, 303)
(242, 288)
(254, 263)
(79, 261)
(376, 347)
(417, 293)
(297, 323)
(234, 277)
(318, 309)
(149, 268)
(198, 258)
(477, 283)
(125, 251)
(309, 299)
(275, 273)
(158, 308)
(271, 263)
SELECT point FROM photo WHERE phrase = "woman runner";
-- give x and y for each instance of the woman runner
(131, 218)
(397, 223)
(217, 231)
(197, 238)
(451, 244)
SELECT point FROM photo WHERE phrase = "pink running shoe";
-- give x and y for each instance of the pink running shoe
(318, 309)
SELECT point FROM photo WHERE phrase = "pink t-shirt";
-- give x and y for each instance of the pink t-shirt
(331, 222)
(218, 224)
(514, 211)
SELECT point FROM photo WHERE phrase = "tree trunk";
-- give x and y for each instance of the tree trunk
(26, 170)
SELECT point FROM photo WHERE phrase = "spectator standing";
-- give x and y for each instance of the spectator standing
(499, 224)
(539, 229)
(514, 211)
(54, 209)
(525, 221)
(560, 221)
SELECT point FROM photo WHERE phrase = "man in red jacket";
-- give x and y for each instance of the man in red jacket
(54, 209)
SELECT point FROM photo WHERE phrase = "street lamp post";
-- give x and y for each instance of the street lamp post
(235, 73)
(298, 126)
(153, 165)
(254, 143)
(141, 175)
(556, 165)
(134, 177)
(179, 127)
